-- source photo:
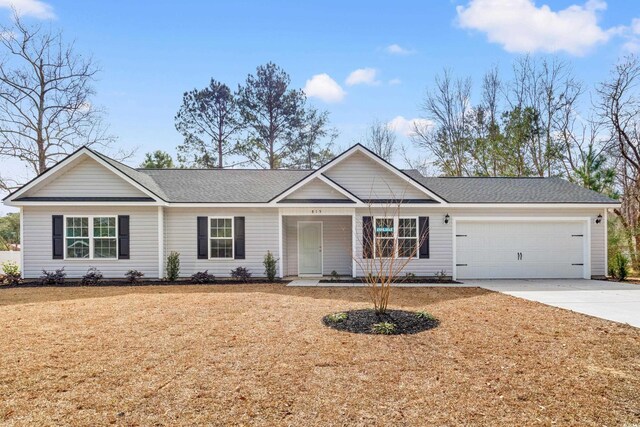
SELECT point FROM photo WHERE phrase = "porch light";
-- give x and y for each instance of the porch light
(599, 219)
(446, 219)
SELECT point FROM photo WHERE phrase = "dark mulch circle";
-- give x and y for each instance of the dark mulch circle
(362, 321)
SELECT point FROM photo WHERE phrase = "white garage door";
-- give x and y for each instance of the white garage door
(519, 249)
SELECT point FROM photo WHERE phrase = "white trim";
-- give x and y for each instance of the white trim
(280, 245)
(586, 225)
(233, 238)
(606, 242)
(321, 248)
(22, 243)
(91, 237)
(69, 161)
(323, 179)
(353, 245)
(160, 242)
(346, 154)
(396, 229)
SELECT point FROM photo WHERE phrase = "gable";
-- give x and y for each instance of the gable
(369, 180)
(316, 190)
(85, 178)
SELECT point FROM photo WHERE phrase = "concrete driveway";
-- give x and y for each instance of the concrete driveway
(619, 302)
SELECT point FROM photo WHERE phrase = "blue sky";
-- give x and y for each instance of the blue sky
(151, 52)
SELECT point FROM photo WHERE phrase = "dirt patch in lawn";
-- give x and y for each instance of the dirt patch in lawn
(260, 355)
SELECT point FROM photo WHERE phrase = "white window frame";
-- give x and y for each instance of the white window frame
(396, 223)
(90, 237)
(233, 238)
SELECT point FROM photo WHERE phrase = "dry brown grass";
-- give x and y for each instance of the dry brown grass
(259, 355)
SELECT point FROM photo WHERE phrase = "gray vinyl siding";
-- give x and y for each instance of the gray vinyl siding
(441, 234)
(261, 235)
(316, 189)
(87, 178)
(369, 180)
(38, 240)
(336, 243)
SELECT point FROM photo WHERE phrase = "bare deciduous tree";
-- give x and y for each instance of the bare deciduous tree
(45, 99)
(380, 139)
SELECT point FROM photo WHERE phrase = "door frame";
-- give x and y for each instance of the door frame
(321, 248)
(586, 243)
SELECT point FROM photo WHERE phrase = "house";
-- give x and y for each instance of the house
(92, 211)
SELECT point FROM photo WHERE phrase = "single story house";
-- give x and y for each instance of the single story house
(92, 211)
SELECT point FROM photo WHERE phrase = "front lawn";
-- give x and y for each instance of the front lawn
(260, 355)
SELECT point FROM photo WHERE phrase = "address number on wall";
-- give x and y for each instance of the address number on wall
(316, 211)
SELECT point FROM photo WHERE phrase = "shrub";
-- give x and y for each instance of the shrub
(92, 277)
(441, 275)
(134, 276)
(409, 277)
(11, 273)
(338, 317)
(241, 273)
(620, 266)
(384, 328)
(270, 262)
(53, 277)
(334, 276)
(425, 315)
(203, 277)
(173, 266)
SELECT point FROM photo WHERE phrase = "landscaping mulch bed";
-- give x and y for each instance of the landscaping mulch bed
(363, 321)
(74, 283)
(397, 281)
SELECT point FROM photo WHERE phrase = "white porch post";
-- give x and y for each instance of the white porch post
(160, 242)
(280, 254)
(21, 242)
(354, 250)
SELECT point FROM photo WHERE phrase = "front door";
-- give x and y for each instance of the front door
(310, 248)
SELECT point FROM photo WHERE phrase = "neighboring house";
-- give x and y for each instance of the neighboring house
(92, 211)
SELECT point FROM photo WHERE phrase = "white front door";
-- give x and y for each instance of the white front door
(310, 248)
(520, 249)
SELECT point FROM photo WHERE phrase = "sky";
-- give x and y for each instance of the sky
(359, 60)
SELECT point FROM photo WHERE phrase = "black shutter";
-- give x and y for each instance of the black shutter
(203, 237)
(238, 237)
(123, 237)
(424, 236)
(57, 236)
(367, 237)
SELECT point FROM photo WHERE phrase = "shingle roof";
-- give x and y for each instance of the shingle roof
(223, 185)
(508, 190)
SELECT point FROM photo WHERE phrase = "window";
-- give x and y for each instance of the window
(396, 234)
(221, 238)
(91, 237)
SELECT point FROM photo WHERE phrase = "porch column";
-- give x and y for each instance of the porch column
(280, 254)
(353, 244)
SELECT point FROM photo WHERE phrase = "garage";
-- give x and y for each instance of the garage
(521, 249)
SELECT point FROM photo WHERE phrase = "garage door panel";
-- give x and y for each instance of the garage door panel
(519, 249)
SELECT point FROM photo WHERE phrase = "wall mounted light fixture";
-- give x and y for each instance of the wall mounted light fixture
(599, 219)
(446, 219)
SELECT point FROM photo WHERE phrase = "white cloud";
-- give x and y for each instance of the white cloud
(405, 127)
(35, 8)
(322, 86)
(396, 49)
(521, 26)
(395, 81)
(363, 76)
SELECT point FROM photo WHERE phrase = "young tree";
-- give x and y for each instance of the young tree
(273, 114)
(45, 99)
(157, 160)
(380, 139)
(208, 120)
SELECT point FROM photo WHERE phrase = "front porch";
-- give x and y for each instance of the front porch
(317, 245)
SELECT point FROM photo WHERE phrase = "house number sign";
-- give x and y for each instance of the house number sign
(316, 211)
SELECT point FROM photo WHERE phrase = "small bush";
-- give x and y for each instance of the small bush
(384, 328)
(338, 317)
(620, 266)
(11, 273)
(334, 276)
(134, 276)
(270, 262)
(203, 277)
(92, 277)
(173, 266)
(409, 277)
(241, 274)
(441, 275)
(53, 277)
(425, 315)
